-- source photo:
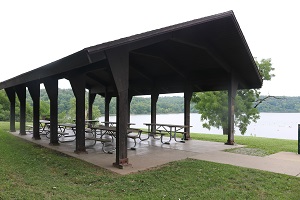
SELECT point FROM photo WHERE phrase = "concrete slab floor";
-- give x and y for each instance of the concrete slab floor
(148, 154)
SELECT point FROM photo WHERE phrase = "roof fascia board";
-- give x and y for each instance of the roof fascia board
(240, 32)
(68, 63)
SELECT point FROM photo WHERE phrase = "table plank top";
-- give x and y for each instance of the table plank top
(68, 125)
(168, 125)
(109, 128)
(44, 121)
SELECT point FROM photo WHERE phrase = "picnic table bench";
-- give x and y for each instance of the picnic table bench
(44, 126)
(104, 141)
(29, 129)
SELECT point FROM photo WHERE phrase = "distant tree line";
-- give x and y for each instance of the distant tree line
(67, 105)
(139, 105)
(280, 104)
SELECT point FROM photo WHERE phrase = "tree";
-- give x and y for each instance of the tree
(213, 106)
(44, 109)
(4, 106)
(72, 112)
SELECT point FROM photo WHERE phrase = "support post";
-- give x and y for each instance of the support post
(51, 86)
(154, 98)
(118, 59)
(298, 138)
(129, 101)
(187, 111)
(107, 102)
(78, 86)
(10, 92)
(232, 90)
(91, 102)
(34, 91)
(21, 93)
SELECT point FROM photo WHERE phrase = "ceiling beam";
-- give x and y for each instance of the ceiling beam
(212, 52)
(138, 70)
(101, 83)
(171, 64)
(208, 49)
(168, 62)
(136, 92)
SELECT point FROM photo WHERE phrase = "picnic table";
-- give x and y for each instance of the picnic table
(105, 139)
(89, 122)
(43, 125)
(66, 130)
(63, 133)
(132, 133)
(113, 124)
(65, 126)
(167, 129)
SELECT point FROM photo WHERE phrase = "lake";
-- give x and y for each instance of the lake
(270, 125)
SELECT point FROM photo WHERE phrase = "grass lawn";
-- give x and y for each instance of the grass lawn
(268, 145)
(28, 171)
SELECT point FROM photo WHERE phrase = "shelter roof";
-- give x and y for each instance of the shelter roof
(203, 53)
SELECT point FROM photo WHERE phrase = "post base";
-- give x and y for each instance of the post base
(122, 163)
(54, 144)
(80, 151)
(229, 142)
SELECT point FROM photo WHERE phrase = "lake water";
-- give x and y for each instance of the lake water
(270, 125)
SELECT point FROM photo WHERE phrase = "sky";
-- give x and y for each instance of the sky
(35, 33)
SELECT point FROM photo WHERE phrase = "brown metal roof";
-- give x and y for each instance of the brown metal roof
(202, 52)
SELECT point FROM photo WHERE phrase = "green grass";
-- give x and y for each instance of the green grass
(29, 171)
(268, 145)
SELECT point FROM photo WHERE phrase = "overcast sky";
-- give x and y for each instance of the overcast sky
(34, 33)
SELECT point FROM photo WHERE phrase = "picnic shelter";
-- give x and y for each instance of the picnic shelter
(206, 54)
